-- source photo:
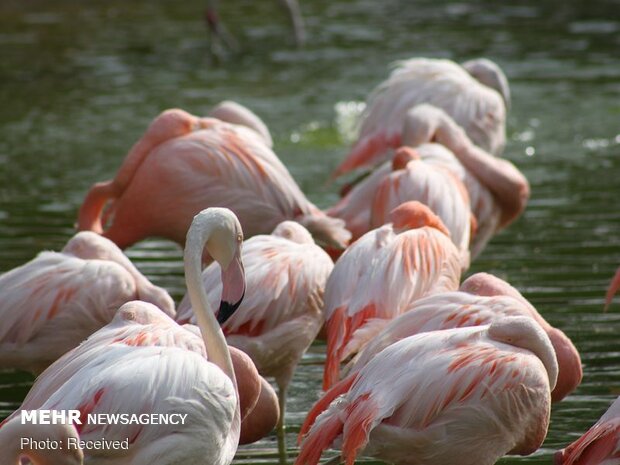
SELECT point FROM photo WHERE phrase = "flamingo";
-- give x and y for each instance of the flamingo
(569, 361)
(463, 395)
(281, 312)
(127, 368)
(600, 445)
(481, 299)
(138, 324)
(428, 174)
(183, 164)
(479, 109)
(380, 274)
(614, 285)
(219, 33)
(55, 301)
(497, 190)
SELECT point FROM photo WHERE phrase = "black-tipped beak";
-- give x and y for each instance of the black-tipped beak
(227, 309)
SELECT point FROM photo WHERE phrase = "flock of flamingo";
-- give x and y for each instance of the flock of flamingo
(421, 368)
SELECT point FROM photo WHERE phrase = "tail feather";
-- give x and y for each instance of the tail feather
(323, 403)
(595, 446)
(327, 428)
(336, 331)
(340, 332)
(361, 328)
(361, 414)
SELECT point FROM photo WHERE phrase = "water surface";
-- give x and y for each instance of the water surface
(79, 82)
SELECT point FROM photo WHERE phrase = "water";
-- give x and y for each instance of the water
(79, 82)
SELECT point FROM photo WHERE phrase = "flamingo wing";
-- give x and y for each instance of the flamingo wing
(432, 384)
(236, 171)
(352, 265)
(436, 312)
(280, 277)
(413, 264)
(223, 165)
(434, 186)
(120, 379)
(480, 110)
(63, 292)
(417, 263)
(136, 324)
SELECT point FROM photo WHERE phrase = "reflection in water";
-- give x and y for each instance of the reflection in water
(80, 82)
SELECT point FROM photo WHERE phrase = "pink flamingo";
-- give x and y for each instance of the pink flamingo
(614, 285)
(144, 362)
(482, 299)
(463, 395)
(479, 109)
(55, 301)
(425, 174)
(599, 446)
(281, 312)
(183, 164)
(497, 190)
(569, 361)
(380, 274)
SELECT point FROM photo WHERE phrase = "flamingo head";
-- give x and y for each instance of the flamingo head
(294, 232)
(172, 123)
(489, 74)
(224, 245)
(234, 113)
(524, 332)
(403, 156)
(413, 215)
(140, 312)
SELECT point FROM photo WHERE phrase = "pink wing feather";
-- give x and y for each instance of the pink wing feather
(478, 109)
(381, 283)
(416, 388)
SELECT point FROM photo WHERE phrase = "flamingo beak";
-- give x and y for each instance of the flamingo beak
(233, 289)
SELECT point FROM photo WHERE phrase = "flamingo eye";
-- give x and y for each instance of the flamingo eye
(239, 238)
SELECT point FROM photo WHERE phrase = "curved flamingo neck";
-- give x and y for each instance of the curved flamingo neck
(524, 332)
(215, 343)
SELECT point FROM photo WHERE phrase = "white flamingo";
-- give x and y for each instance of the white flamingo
(126, 375)
(56, 300)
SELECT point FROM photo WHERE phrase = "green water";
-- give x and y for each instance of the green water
(79, 82)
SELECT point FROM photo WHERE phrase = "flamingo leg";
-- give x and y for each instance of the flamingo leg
(283, 382)
(281, 429)
(297, 21)
(613, 288)
(220, 39)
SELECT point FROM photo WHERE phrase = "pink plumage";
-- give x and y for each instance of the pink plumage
(465, 395)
